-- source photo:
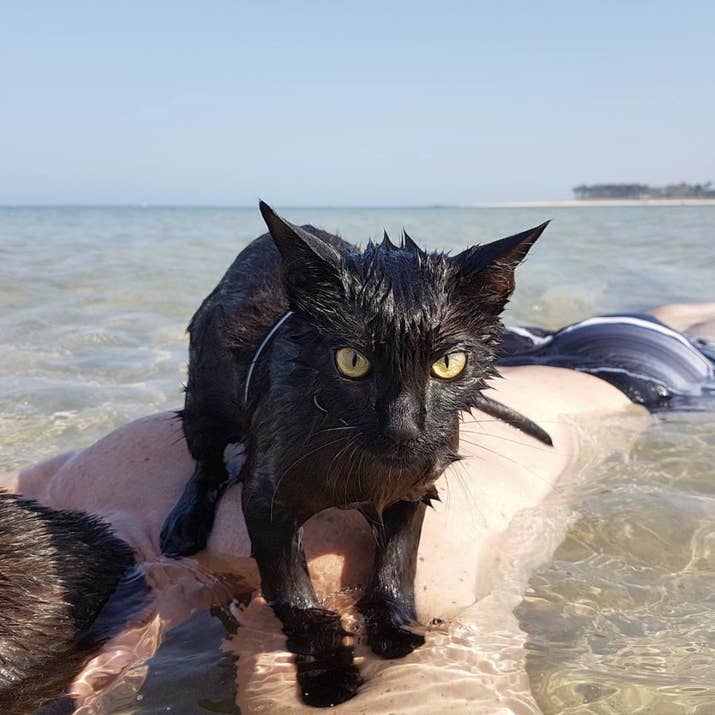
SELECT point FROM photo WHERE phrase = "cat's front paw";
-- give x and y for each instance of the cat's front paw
(187, 528)
(182, 535)
(390, 632)
(324, 660)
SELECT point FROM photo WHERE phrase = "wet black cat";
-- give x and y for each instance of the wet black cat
(344, 372)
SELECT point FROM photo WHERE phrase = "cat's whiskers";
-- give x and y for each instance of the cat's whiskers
(349, 473)
(354, 467)
(343, 460)
(335, 474)
(359, 471)
(336, 460)
(336, 456)
(463, 476)
(484, 422)
(518, 464)
(508, 439)
(296, 462)
(334, 429)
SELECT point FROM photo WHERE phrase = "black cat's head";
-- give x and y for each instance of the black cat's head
(397, 340)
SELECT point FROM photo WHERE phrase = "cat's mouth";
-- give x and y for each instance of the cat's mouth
(400, 459)
(407, 457)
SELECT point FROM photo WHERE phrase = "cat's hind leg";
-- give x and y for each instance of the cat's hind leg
(210, 420)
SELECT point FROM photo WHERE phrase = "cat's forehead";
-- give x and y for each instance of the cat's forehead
(400, 294)
(402, 274)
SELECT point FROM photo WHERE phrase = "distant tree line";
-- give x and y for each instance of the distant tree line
(643, 191)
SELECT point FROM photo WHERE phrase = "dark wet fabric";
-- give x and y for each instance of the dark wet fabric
(641, 356)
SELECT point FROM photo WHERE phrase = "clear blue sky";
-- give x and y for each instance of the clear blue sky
(361, 103)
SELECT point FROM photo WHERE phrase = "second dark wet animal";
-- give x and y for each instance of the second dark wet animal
(343, 372)
(58, 570)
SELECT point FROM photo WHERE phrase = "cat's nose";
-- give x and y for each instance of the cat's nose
(402, 420)
(402, 434)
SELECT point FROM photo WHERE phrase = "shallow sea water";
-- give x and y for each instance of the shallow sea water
(94, 306)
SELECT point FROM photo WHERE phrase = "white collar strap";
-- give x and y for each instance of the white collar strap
(258, 352)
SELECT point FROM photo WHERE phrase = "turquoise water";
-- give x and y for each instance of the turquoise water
(94, 305)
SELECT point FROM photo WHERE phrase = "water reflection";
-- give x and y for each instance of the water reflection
(622, 620)
(172, 658)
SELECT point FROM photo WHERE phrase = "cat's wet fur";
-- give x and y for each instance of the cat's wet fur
(316, 439)
(58, 570)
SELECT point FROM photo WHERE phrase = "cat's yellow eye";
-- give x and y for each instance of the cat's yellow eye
(449, 365)
(352, 363)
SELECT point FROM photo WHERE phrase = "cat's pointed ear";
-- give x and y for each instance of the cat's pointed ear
(296, 244)
(487, 272)
(311, 266)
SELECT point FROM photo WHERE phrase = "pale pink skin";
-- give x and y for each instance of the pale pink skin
(691, 318)
(133, 477)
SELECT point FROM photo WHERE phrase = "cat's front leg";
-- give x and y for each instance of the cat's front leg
(388, 606)
(187, 527)
(326, 673)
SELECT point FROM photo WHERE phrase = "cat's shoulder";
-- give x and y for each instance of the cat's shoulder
(250, 296)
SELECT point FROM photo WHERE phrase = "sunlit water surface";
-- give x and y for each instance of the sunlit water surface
(94, 306)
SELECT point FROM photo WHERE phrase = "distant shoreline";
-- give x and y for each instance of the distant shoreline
(596, 202)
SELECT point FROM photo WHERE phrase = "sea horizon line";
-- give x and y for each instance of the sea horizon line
(544, 203)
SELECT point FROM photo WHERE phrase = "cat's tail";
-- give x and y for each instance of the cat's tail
(57, 570)
(512, 417)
